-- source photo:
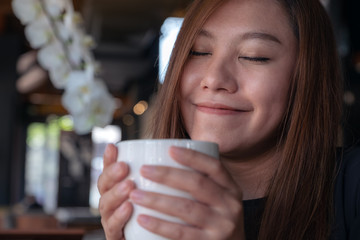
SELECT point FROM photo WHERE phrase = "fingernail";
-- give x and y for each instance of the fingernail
(137, 195)
(107, 151)
(144, 220)
(177, 153)
(123, 210)
(116, 168)
(175, 150)
(124, 187)
(147, 170)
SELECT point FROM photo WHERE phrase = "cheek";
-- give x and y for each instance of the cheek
(275, 93)
(190, 74)
(273, 84)
(186, 85)
(190, 91)
(268, 93)
(270, 97)
(189, 82)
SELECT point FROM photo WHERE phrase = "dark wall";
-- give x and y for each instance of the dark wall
(9, 51)
(350, 22)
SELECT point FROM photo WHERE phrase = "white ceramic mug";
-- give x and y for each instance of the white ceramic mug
(155, 152)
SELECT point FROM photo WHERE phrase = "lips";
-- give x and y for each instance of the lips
(218, 108)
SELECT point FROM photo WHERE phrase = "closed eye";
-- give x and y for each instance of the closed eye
(255, 59)
(196, 53)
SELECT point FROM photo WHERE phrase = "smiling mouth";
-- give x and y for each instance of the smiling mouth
(219, 109)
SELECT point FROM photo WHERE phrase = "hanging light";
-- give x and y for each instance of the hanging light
(140, 107)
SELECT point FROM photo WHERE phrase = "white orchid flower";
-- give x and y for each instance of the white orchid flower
(88, 101)
(55, 8)
(39, 32)
(76, 53)
(52, 56)
(102, 109)
(73, 19)
(27, 10)
(99, 113)
(59, 76)
(79, 47)
(78, 91)
(102, 105)
(64, 34)
(53, 27)
(82, 123)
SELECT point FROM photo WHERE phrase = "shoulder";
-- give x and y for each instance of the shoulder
(347, 191)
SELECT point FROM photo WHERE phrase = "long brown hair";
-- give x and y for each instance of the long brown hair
(167, 120)
(299, 199)
(300, 196)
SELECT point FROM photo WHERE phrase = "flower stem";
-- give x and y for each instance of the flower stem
(72, 65)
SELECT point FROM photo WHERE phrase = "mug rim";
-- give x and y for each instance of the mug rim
(164, 140)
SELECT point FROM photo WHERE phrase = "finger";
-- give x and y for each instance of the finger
(114, 225)
(110, 155)
(191, 212)
(113, 198)
(201, 187)
(113, 174)
(194, 214)
(171, 230)
(203, 163)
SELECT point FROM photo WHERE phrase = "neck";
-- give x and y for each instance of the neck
(253, 175)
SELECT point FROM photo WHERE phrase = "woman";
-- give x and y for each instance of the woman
(261, 79)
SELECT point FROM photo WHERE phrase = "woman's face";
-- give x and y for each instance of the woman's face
(235, 84)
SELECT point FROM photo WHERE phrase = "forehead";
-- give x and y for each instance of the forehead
(241, 16)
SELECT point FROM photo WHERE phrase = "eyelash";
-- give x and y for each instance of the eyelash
(252, 59)
(256, 59)
(195, 53)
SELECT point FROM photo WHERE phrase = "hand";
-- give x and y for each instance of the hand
(114, 208)
(216, 213)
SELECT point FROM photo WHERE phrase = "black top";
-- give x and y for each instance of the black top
(346, 201)
(253, 210)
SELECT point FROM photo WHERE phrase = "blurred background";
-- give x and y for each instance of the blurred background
(48, 173)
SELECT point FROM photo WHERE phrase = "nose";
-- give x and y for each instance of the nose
(220, 75)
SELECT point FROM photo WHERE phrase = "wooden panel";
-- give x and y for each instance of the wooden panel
(5, 6)
(36, 221)
(55, 234)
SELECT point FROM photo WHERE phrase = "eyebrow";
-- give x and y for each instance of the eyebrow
(247, 36)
